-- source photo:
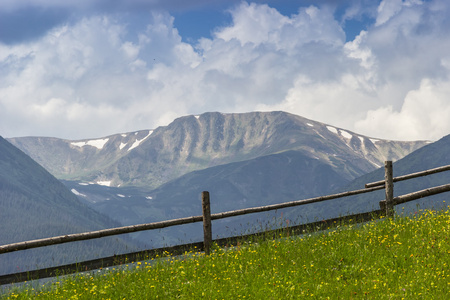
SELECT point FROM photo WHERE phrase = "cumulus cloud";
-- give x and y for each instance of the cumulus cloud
(387, 9)
(96, 76)
(424, 113)
(411, 49)
(400, 57)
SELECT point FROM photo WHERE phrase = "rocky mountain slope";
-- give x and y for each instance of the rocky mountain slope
(149, 158)
(34, 204)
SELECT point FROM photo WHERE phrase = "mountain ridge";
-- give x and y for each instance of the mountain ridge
(149, 158)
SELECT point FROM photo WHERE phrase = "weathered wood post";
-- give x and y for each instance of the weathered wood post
(389, 188)
(207, 231)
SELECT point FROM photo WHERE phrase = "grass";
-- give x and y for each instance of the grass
(404, 257)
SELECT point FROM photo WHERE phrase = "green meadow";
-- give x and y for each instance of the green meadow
(406, 257)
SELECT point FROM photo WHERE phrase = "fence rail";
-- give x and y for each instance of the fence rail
(410, 176)
(419, 194)
(386, 208)
(95, 234)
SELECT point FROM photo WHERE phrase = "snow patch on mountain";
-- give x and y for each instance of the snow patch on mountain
(374, 141)
(375, 164)
(332, 129)
(138, 142)
(105, 183)
(310, 125)
(122, 145)
(345, 134)
(78, 144)
(77, 193)
(99, 144)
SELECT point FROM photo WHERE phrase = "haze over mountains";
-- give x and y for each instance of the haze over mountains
(244, 160)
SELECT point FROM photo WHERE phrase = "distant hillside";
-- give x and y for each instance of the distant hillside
(431, 156)
(150, 158)
(264, 180)
(34, 204)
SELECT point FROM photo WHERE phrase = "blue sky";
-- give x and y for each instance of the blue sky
(89, 68)
(193, 19)
(215, 15)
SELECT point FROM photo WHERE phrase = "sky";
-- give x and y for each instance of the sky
(79, 69)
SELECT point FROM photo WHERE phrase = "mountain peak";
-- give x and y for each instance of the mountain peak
(152, 157)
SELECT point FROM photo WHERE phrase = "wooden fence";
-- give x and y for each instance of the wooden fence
(386, 209)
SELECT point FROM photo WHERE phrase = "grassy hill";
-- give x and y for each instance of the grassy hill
(406, 257)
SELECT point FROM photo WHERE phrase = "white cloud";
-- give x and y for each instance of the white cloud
(339, 101)
(260, 24)
(398, 89)
(74, 73)
(387, 9)
(424, 113)
(95, 77)
(131, 50)
(254, 24)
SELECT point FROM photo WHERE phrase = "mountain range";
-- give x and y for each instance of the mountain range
(244, 160)
(150, 158)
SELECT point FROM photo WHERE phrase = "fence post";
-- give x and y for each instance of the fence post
(207, 231)
(389, 188)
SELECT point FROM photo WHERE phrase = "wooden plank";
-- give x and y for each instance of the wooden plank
(95, 234)
(421, 194)
(207, 230)
(245, 211)
(389, 188)
(410, 176)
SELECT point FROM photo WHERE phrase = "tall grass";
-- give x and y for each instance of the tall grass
(404, 257)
